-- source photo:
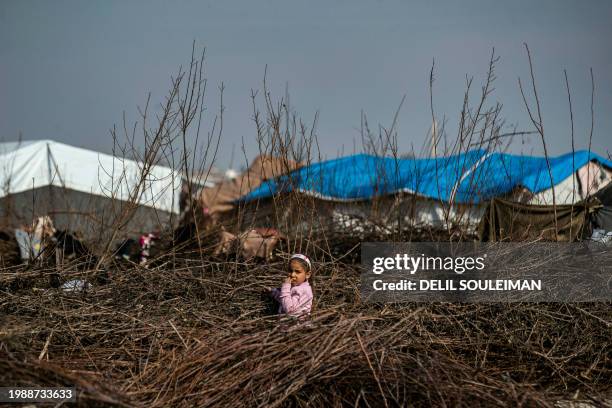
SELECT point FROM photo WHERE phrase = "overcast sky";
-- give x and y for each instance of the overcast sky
(69, 69)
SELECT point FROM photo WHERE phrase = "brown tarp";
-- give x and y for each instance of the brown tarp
(510, 221)
(220, 197)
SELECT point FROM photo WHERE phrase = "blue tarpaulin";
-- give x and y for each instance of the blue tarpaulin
(471, 177)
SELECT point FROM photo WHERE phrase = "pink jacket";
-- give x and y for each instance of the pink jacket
(294, 300)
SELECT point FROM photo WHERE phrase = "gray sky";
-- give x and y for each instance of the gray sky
(69, 69)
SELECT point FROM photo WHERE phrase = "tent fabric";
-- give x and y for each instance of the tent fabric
(93, 216)
(221, 197)
(33, 164)
(605, 196)
(585, 182)
(603, 217)
(505, 220)
(469, 178)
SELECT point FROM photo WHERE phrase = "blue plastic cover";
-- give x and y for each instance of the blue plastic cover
(470, 177)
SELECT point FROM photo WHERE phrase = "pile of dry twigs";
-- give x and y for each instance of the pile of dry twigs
(195, 331)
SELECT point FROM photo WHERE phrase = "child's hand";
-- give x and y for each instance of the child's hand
(287, 279)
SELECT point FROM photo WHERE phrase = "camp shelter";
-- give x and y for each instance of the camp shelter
(221, 197)
(603, 217)
(83, 190)
(468, 178)
(506, 220)
(441, 192)
(585, 182)
(307, 216)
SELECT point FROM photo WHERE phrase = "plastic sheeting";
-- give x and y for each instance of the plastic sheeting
(469, 178)
(587, 181)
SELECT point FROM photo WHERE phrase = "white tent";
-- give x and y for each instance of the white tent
(33, 164)
(585, 182)
(84, 191)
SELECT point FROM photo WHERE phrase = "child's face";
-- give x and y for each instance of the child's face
(297, 273)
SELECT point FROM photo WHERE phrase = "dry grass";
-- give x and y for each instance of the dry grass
(193, 333)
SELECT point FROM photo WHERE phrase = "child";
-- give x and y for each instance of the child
(146, 241)
(295, 294)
